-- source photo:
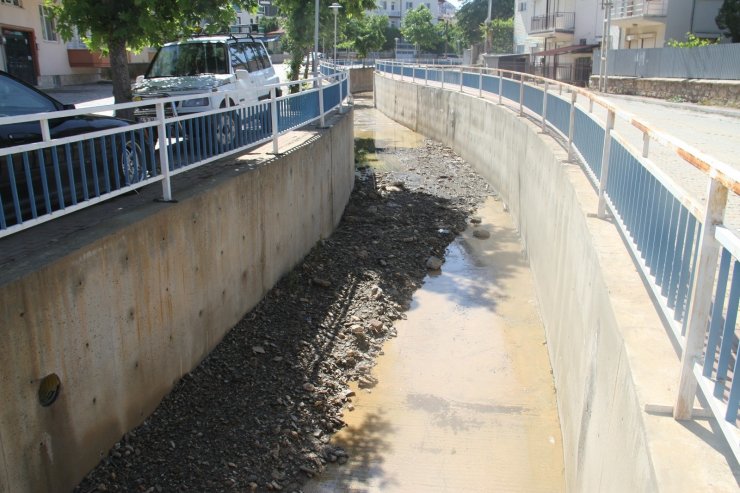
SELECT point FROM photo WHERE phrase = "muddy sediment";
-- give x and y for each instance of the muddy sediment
(258, 413)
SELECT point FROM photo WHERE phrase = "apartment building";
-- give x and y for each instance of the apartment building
(651, 23)
(559, 36)
(396, 9)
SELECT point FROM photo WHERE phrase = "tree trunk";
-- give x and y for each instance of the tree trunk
(119, 74)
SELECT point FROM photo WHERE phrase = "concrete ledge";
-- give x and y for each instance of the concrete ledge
(609, 351)
(703, 91)
(361, 79)
(122, 315)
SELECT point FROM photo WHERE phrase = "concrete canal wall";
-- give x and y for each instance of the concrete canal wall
(122, 318)
(609, 352)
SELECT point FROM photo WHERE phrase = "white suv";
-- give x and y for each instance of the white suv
(213, 64)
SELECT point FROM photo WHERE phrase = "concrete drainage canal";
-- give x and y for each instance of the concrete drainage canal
(371, 367)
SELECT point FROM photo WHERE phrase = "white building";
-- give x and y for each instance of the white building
(396, 9)
(559, 36)
(650, 23)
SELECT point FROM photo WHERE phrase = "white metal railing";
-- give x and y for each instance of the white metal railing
(626, 9)
(690, 260)
(41, 181)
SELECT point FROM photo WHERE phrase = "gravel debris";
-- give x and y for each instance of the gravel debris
(258, 413)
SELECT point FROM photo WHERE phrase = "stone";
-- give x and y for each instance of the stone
(481, 234)
(434, 263)
(324, 283)
(258, 350)
(372, 210)
(475, 220)
(376, 324)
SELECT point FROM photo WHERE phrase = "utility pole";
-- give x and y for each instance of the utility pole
(315, 39)
(335, 7)
(605, 42)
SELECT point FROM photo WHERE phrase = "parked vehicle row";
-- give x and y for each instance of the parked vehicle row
(233, 70)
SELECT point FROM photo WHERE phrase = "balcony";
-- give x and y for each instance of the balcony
(81, 57)
(634, 10)
(559, 22)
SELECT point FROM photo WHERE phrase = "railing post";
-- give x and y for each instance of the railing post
(45, 133)
(164, 160)
(426, 75)
(274, 118)
(442, 71)
(645, 144)
(701, 299)
(401, 73)
(544, 109)
(500, 87)
(590, 105)
(321, 103)
(349, 88)
(521, 95)
(571, 124)
(461, 79)
(480, 82)
(601, 212)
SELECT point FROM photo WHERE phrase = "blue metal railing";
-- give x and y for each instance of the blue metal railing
(44, 180)
(667, 230)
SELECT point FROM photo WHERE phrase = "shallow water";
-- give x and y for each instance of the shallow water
(465, 399)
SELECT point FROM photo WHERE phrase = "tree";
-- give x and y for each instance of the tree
(499, 35)
(728, 19)
(114, 26)
(418, 29)
(390, 33)
(366, 33)
(473, 13)
(691, 42)
(299, 25)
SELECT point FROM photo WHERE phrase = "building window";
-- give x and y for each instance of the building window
(393, 6)
(47, 24)
(522, 6)
(385, 5)
(17, 3)
(429, 6)
(409, 5)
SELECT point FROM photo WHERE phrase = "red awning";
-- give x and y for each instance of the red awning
(567, 49)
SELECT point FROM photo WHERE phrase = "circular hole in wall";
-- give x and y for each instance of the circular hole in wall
(49, 389)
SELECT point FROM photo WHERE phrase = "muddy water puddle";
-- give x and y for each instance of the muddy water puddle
(465, 399)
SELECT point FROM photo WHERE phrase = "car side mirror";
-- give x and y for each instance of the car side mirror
(242, 74)
(69, 107)
(139, 79)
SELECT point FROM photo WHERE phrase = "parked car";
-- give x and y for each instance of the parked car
(37, 182)
(215, 65)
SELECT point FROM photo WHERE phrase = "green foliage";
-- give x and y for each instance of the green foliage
(691, 42)
(391, 33)
(728, 19)
(500, 35)
(269, 24)
(299, 18)
(418, 29)
(366, 33)
(448, 37)
(473, 13)
(141, 23)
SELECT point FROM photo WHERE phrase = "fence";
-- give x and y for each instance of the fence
(706, 62)
(44, 180)
(686, 255)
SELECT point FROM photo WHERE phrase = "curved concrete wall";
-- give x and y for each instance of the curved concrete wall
(609, 353)
(122, 318)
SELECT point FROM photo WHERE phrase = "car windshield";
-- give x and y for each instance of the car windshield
(17, 99)
(189, 59)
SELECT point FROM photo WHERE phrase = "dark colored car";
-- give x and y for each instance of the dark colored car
(38, 182)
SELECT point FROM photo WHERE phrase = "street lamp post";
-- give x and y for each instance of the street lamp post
(315, 38)
(335, 7)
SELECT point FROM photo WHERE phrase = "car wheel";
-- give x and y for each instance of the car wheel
(133, 163)
(226, 128)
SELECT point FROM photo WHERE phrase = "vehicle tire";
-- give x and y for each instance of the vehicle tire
(133, 162)
(226, 127)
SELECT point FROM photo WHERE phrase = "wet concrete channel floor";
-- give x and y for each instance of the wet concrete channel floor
(465, 398)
